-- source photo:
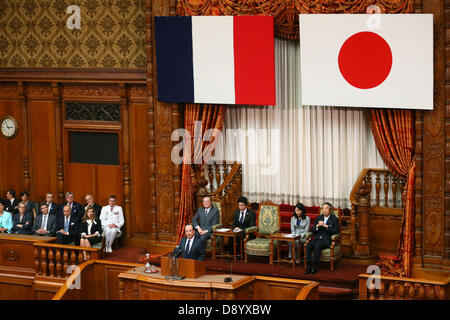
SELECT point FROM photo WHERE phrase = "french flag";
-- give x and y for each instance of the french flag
(216, 59)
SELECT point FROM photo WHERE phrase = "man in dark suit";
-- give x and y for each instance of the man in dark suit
(324, 227)
(11, 202)
(191, 246)
(205, 218)
(45, 223)
(75, 208)
(243, 218)
(67, 227)
(53, 208)
(90, 202)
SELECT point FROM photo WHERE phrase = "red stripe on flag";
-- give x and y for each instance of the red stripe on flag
(254, 60)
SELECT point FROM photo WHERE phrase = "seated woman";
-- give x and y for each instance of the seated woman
(299, 226)
(90, 230)
(6, 222)
(22, 221)
(29, 205)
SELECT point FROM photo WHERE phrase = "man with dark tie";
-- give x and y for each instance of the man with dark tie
(205, 218)
(11, 202)
(243, 218)
(53, 208)
(324, 227)
(75, 208)
(45, 223)
(67, 227)
(191, 246)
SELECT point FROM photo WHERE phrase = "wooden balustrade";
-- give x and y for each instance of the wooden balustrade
(221, 181)
(53, 260)
(377, 192)
(395, 288)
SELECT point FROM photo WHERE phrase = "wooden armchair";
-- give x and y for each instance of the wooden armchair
(268, 223)
(334, 252)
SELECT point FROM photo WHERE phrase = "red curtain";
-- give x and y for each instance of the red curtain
(285, 12)
(393, 131)
(211, 117)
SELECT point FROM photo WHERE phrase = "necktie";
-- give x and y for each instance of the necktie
(206, 212)
(66, 225)
(242, 217)
(188, 246)
(298, 222)
(44, 223)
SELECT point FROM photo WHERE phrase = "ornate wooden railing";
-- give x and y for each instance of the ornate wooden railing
(221, 181)
(375, 190)
(53, 260)
(394, 288)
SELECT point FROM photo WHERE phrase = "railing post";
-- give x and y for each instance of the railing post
(362, 246)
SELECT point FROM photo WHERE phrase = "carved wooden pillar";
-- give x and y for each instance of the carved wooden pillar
(124, 95)
(164, 222)
(434, 146)
(57, 102)
(362, 245)
(25, 135)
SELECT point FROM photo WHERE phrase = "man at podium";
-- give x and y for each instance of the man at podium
(191, 247)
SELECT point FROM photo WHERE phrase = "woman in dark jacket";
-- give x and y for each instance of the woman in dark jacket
(22, 221)
(90, 229)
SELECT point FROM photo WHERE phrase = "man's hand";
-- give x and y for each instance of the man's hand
(41, 231)
(113, 225)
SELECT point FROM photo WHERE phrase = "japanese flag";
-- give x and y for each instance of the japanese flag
(367, 60)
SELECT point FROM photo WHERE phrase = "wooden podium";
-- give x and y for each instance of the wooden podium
(187, 268)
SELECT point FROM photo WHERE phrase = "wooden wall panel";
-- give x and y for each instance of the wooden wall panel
(140, 203)
(43, 148)
(11, 171)
(384, 232)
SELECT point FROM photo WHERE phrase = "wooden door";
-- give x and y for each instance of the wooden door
(99, 179)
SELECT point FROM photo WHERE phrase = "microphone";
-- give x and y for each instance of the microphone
(230, 278)
(177, 251)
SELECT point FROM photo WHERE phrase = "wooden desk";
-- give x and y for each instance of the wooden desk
(230, 234)
(137, 285)
(284, 237)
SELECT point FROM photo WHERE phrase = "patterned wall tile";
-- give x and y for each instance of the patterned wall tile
(33, 33)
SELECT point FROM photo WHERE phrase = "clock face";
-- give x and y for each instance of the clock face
(9, 127)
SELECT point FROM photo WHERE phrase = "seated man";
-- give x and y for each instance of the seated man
(205, 218)
(112, 220)
(243, 218)
(325, 225)
(75, 208)
(191, 246)
(90, 202)
(45, 223)
(53, 208)
(6, 221)
(67, 227)
(11, 202)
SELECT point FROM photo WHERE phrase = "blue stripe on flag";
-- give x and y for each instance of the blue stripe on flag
(173, 36)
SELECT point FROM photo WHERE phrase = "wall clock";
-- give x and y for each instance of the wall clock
(9, 127)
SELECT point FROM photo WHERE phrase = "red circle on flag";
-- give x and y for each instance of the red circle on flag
(365, 60)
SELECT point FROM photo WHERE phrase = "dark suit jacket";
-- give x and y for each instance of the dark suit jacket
(74, 225)
(53, 210)
(27, 221)
(206, 222)
(249, 220)
(97, 226)
(325, 233)
(12, 208)
(97, 209)
(197, 251)
(51, 224)
(77, 211)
